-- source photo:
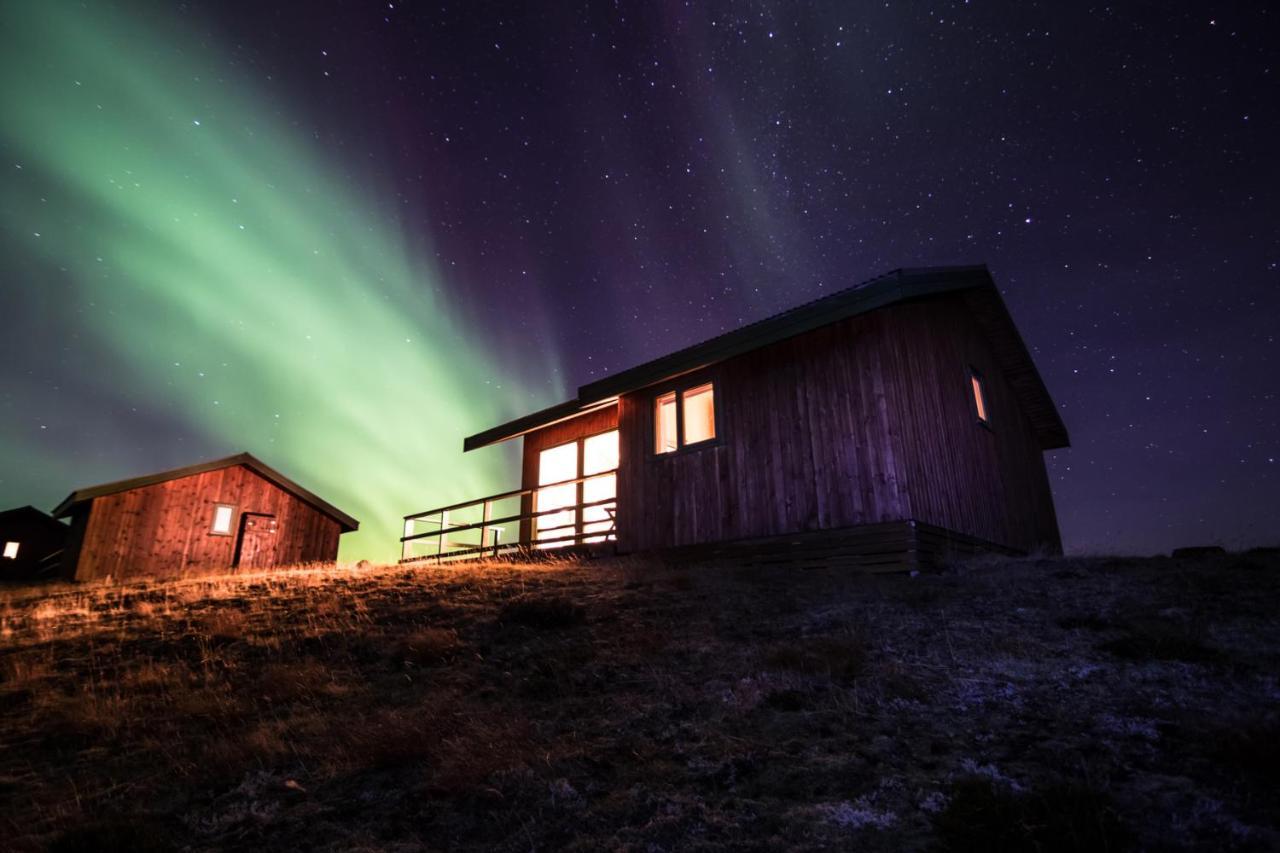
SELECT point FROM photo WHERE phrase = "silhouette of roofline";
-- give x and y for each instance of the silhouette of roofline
(894, 287)
(32, 512)
(79, 496)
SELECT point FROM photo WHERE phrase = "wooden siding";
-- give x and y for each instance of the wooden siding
(985, 482)
(164, 529)
(584, 425)
(860, 422)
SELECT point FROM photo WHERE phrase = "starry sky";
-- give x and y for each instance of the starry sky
(343, 235)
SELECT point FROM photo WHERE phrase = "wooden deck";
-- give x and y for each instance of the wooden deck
(885, 547)
(891, 546)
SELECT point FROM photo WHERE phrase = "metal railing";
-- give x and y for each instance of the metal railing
(490, 529)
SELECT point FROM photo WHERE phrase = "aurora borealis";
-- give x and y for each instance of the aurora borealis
(196, 282)
(341, 236)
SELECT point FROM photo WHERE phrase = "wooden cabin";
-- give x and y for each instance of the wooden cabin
(31, 544)
(229, 513)
(889, 425)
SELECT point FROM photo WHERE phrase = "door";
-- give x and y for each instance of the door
(256, 543)
(555, 466)
(600, 488)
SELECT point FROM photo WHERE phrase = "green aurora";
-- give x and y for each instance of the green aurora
(200, 279)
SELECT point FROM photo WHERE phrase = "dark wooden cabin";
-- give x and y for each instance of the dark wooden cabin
(891, 424)
(229, 513)
(32, 544)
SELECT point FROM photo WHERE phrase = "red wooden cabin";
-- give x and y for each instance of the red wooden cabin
(888, 425)
(229, 513)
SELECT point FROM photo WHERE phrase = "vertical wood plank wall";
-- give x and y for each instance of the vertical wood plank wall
(590, 423)
(989, 483)
(867, 420)
(163, 529)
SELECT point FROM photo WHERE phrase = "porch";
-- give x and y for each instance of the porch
(571, 513)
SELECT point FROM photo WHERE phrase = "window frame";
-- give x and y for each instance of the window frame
(579, 522)
(17, 546)
(231, 524)
(977, 383)
(679, 388)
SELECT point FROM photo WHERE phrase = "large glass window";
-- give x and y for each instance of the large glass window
(682, 418)
(11, 550)
(555, 465)
(595, 484)
(599, 454)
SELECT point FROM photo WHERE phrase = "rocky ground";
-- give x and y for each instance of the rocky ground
(1064, 704)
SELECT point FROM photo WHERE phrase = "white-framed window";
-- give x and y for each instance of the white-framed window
(223, 517)
(11, 550)
(684, 417)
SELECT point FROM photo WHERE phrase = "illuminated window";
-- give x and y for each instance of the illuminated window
(600, 453)
(664, 424)
(222, 517)
(573, 520)
(699, 414)
(555, 465)
(979, 397)
(11, 550)
(683, 418)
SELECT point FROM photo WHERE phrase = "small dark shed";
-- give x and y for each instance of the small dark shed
(888, 425)
(229, 513)
(32, 543)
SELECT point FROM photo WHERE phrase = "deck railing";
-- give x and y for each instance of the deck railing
(487, 534)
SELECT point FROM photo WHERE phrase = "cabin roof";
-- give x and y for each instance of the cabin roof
(79, 496)
(30, 515)
(900, 285)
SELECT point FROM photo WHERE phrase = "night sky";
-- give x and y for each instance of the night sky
(344, 235)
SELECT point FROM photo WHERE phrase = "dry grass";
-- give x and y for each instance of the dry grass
(622, 704)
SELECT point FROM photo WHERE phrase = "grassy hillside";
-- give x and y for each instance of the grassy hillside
(1074, 704)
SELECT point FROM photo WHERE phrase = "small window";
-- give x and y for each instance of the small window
(699, 414)
(664, 424)
(11, 550)
(979, 397)
(684, 417)
(222, 517)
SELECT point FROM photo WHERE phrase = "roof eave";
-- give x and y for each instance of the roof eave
(892, 288)
(528, 423)
(346, 523)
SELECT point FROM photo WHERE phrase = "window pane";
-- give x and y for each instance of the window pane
(699, 414)
(222, 518)
(11, 550)
(600, 453)
(598, 519)
(554, 525)
(664, 423)
(979, 399)
(557, 464)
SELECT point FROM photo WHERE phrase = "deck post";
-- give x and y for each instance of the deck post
(444, 534)
(406, 547)
(485, 514)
